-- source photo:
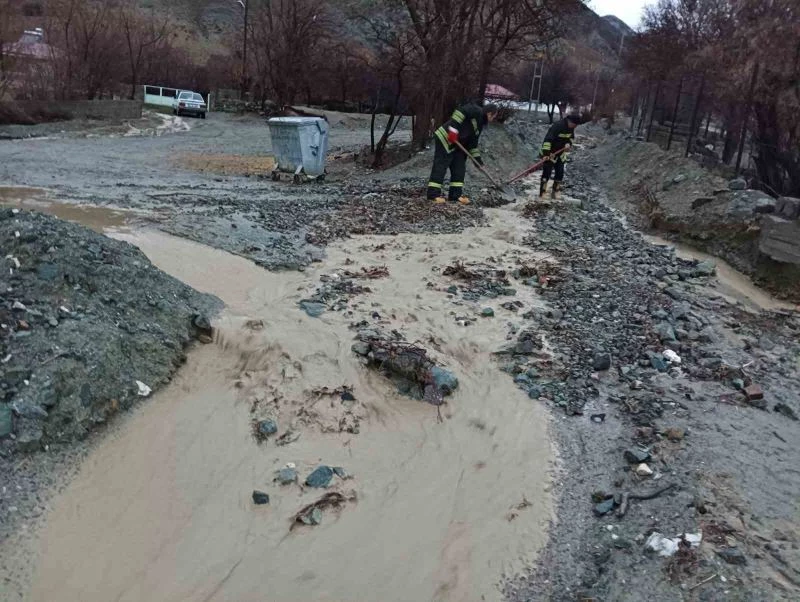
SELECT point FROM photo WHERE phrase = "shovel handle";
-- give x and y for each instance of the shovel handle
(534, 167)
(478, 165)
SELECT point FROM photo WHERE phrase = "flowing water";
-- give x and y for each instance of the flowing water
(162, 509)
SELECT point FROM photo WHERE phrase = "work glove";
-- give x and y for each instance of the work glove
(452, 134)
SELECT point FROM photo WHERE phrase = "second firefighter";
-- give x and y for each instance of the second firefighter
(555, 148)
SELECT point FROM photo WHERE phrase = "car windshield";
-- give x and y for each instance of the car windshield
(197, 97)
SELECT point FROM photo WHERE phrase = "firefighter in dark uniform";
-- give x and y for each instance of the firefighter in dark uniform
(559, 138)
(465, 125)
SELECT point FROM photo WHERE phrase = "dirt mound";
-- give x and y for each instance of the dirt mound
(83, 319)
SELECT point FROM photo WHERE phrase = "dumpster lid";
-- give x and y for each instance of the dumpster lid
(294, 120)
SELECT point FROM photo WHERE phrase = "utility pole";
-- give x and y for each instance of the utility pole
(538, 72)
(245, 4)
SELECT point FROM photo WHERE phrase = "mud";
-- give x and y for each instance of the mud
(444, 511)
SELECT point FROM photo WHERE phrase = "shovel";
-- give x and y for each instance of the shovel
(508, 194)
(528, 171)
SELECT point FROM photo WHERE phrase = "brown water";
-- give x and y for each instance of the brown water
(161, 510)
(731, 283)
(99, 219)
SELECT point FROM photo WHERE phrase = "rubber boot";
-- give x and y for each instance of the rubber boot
(463, 200)
(439, 200)
(556, 190)
(542, 188)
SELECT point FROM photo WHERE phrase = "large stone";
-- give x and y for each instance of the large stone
(604, 507)
(361, 348)
(780, 239)
(732, 556)
(635, 455)
(444, 380)
(267, 427)
(705, 268)
(788, 208)
(744, 204)
(602, 362)
(312, 308)
(287, 476)
(665, 331)
(260, 498)
(321, 477)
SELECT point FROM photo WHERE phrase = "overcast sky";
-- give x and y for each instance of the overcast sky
(629, 11)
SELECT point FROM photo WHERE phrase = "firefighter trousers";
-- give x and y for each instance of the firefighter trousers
(547, 170)
(456, 162)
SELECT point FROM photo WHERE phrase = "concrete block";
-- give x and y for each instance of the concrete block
(780, 239)
(788, 208)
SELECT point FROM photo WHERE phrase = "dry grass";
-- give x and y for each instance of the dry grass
(227, 165)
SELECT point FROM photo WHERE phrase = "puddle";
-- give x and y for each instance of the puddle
(162, 509)
(733, 285)
(99, 219)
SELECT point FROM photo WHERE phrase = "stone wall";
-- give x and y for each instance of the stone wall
(780, 232)
(84, 109)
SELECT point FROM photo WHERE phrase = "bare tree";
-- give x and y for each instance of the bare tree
(144, 33)
(8, 35)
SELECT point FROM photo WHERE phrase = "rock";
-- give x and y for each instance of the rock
(321, 477)
(47, 271)
(738, 184)
(674, 292)
(780, 239)
(710, 363)
(535, 392)
(267, 427)
(753, 392)
(313, 517)
(19, 306)
(738, 384)
(522, 379)
(707, 335)
(260, 498)
(202, 323)
(487, 312)
(635, 455)
(52, 321)
(744, 204)
(672, 357)
(602, 361)
(313, 308)
(680, 310)
(781, 408)
(604, 507)
(665, 331)
(6, 421)
(643, 470)
(732, 556)
(705, 268)
(361, 348)
(788, 208)
(657, 362)
(28, 410)
(287, 476)
(444, 380)
(452, 290)
(341, 473)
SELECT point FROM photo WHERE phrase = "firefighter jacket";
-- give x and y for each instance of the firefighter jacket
(558, 136)
(469, 121)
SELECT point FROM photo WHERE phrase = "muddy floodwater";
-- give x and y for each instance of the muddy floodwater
(99, 219)
(162, 508)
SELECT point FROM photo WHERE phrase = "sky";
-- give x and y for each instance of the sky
(629, 11)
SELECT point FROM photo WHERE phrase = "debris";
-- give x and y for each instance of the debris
(312, 308)
(732, 556)
(260, 498)
(671, 357)
(19, 306)
(602, 362)
(287, 438)
(643, 470)
(321, 477)
(667, 547)
(738, 384)
(460, 271)
(312, 513)
(368, 273)
(604, 507)
(598, 418)
(673, 434)
(636, 455)
(703, 582)
(753, 392)
(626, 497)
(267, 427)
(254, 324)
(785, 410)
(287, 476)
(341, 473)
(143, 389)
